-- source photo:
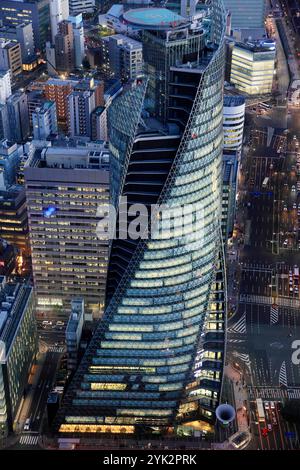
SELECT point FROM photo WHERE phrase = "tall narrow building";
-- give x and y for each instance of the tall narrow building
(156, 360)
(64, 47)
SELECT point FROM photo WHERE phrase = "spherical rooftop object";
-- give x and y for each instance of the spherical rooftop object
(153, 18)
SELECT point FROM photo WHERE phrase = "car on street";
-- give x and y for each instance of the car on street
(27, 424)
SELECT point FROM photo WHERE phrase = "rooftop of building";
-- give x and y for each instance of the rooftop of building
(44, 107)
(264, 45)
(89, 156)
(12, 27)
(7, 147)
(7, 43)
(124, 40)
(15, 97)
(13, 299)
(61, 82)
(232, 101)
(154, 18)
(11, 193)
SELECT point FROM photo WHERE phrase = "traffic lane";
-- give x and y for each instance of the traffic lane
(43, 388)
(255, 281)
(289, 432)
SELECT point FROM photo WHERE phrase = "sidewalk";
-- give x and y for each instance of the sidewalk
(240, 397)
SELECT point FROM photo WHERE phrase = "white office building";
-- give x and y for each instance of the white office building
(59, 11)
(252, 67)
(78, 34)
(5, 85)
(81, 6)
(233, 123)
(81, 104)
(44, 121)
(64, 188)
(123, 56)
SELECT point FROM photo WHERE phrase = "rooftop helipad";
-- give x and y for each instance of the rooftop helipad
(155, 18)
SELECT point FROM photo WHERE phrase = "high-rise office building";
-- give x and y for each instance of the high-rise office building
(13, 12)
(252, 67)
(123, 56)
(230, 171)
(10, 57)
(10, 155)
(156, 360)
(35, 99)
(99, 115)
(59, 11)
(44, 121)
(18, 348)
(233, 123)
(78, 33)
(7, 258)
(94, 86)
(81, 104)
(5, 86)
(50, 59)
(81, 6)
(4, 125)
(18, 117)
(64, 187)
(13, 218)
(23, 34)
(245, 14)
(64, 47)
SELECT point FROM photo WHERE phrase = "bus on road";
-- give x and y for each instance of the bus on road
(260, 410)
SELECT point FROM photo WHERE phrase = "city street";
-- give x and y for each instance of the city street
(34, 405)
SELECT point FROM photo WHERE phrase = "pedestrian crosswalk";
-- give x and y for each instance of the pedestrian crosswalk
(255, 299)
(263, 299)
(293, 393)
(58, 349)
(267, 393)
(239, 326)
(273, 393)
(243, 357)
(274, 314)
(283, 375)
(29, 440)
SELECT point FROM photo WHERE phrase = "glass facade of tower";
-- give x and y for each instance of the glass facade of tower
(156, 360)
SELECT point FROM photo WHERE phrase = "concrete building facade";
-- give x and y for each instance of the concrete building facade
(64, 187)
(44, 121)
(10, 57)
(18, 348)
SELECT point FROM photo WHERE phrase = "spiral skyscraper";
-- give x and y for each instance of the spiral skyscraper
(156, 358)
